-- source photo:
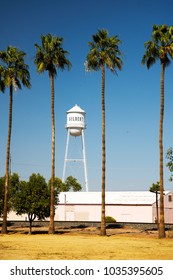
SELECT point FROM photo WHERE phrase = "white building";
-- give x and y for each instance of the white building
(125, 206)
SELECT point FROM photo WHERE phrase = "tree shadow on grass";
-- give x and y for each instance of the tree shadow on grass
(36, 230)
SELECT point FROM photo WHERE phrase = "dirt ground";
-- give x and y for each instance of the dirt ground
(84, 243)
(82, 230)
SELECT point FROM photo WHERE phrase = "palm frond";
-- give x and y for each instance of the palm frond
(104, 50)
(15, 71)
(2, 84)
(50, 55)
(160, 47)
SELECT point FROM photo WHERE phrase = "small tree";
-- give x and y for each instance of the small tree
(155, 188)
(70, 183)
(33, 199)
(13, 186)
(14, 183)
(169, 156)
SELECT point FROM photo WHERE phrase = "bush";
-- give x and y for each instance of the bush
(109, 219)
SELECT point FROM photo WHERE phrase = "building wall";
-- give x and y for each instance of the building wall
(12, 216)
(77, 212)
(168, 208)
(122, 213)
(130, 213)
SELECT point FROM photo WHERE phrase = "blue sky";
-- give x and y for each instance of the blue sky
(132, 97)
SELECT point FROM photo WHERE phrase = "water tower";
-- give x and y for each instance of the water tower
(75, 127)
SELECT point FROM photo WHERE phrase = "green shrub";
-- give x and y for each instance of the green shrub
(109, 219)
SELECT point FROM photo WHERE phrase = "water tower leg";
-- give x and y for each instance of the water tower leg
(66, 155)
(84, 161)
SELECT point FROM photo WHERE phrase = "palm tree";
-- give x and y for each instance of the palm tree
(104, 51)
(49, 56)
(14, 74)
(160, 48)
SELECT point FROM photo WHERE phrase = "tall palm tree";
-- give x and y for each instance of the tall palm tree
(50, 56)
(160, 47)
(14, 74)
(104, 52)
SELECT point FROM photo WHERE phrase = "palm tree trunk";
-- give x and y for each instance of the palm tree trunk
(161, 220)
(157, 210)
(103, 224)
(51, 224)
(4, 223)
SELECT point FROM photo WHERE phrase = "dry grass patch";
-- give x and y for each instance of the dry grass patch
(84, 244)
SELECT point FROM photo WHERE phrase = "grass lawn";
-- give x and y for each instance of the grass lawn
(85, 245)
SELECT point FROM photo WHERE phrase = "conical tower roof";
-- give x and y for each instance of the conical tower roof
(76, 109)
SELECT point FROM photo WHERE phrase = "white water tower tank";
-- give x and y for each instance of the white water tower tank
(75, 121)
